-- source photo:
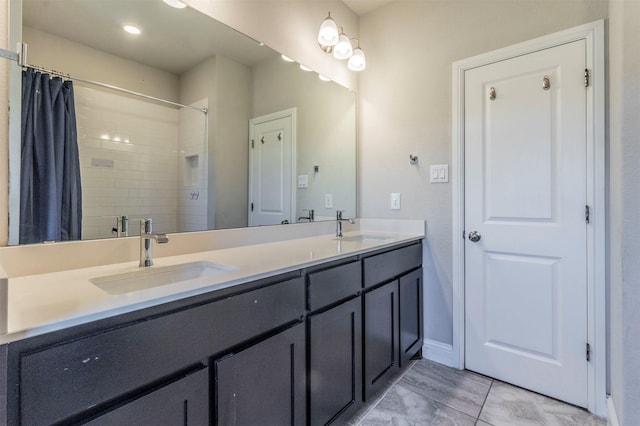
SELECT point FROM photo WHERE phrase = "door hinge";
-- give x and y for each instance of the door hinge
(252, 143)
(251, 206)
(463, 235)
(588, 352)
(586, 214)
(586, 77)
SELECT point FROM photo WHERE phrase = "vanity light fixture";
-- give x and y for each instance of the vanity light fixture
(175, 3)
(305, 68)
(339, 44)
(286, 58)
(357, 61)
(323, 78)
(328, 34)
(132, 29)
(343, 50)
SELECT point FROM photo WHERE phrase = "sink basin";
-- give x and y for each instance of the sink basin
(156, 276)
(364, 238)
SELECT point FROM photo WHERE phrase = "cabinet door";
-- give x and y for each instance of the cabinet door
(411, 332)
(263, 384)
(184, 402)
(380, 337)
(335, 363)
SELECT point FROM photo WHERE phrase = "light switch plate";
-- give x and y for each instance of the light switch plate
(303, 181)
(328, 201)
(439, 173)
(395, 201)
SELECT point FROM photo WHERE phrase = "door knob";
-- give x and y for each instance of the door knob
(474, 236)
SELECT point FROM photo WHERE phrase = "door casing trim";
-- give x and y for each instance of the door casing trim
(594, 34)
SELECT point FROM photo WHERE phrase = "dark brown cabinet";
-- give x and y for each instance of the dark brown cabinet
(393, 330)
(303, 347)
(335, 363)
(184, 402)
(411, 317)
(380, 337)
(263, 384)
(334, 336)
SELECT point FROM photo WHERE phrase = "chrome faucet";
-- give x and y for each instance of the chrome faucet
(309, 218)
(146, 235)
(122, 226)
(339, 221)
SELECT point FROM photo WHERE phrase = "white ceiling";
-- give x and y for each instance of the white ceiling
(362, 7)
(173, 40)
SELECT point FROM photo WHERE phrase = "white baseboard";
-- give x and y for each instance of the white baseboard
(613, 417)
(439, 352)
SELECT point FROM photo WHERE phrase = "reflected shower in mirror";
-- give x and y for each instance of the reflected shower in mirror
(188, 170)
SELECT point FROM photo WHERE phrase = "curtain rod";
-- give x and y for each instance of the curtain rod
(20, 59)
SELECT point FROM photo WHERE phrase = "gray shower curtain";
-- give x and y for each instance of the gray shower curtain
(50, 190)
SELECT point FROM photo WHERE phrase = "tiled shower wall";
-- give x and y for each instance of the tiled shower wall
(128, 160)
(192, 169)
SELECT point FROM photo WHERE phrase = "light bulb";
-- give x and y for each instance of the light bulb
(357, 61)
(328, 33)
(286, 58)
(132, 29)
(305, 68)
(343, 49)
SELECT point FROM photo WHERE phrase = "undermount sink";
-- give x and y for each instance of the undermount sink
(156, 276)
(364, 238)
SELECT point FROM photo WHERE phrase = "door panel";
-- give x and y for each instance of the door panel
(380, 337)
(271, 169)
(263, 384)
(525, 194)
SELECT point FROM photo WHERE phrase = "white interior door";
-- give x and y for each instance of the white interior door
(525, 197)
(271, 168)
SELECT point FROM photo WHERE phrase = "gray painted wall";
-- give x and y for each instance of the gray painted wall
(624, 209)
(405, 108)
(326, 132)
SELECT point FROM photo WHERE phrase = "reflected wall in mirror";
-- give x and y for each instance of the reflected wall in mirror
(187, 170)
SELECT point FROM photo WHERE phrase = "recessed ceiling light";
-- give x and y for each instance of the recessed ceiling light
(305, 68)
(132, 29)
(286, 58)
(175, 3)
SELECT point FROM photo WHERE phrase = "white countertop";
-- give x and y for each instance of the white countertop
(47, 302)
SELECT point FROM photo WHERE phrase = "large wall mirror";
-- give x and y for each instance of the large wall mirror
(275, 143)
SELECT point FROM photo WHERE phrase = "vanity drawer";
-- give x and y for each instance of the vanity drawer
(334, 284)
(65, 380)
(388, 265)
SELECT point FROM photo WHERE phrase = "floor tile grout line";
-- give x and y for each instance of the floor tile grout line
(381, 397)
(485, 401)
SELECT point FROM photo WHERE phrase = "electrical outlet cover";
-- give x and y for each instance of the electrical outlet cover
(328, 201)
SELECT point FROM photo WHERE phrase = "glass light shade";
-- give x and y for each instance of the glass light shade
(175, 3)
(132, 29)
(328, 34)
(343, 49)
(305, 68)
(357, 61)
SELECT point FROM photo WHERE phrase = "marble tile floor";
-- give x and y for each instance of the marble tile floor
(433, 394)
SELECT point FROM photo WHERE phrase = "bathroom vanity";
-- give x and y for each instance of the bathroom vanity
(305, 343)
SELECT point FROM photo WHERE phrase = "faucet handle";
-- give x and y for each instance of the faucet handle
(146, 225)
